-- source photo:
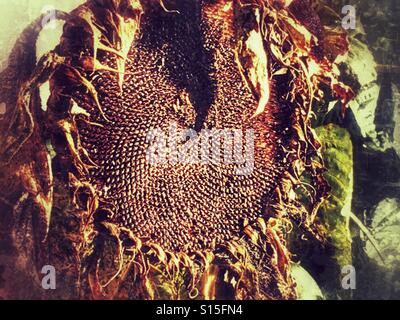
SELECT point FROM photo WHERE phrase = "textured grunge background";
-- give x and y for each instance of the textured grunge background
(361, 152)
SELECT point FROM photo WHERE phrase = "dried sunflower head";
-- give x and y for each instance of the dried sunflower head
(181, 229)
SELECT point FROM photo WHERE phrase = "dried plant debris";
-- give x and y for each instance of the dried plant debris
(116, 226)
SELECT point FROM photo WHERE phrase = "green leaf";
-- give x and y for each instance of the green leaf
(337, 151)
